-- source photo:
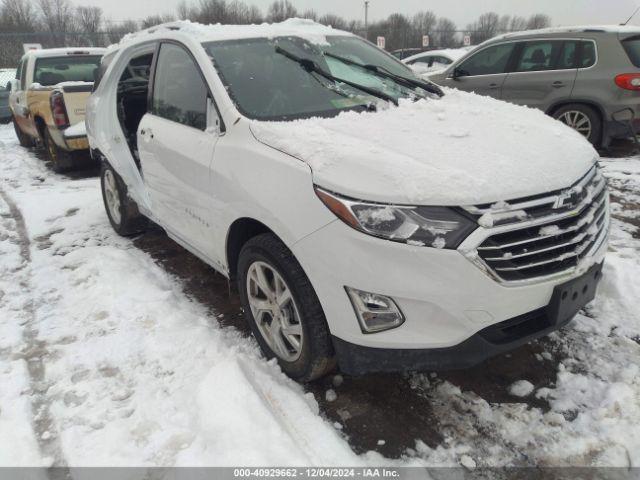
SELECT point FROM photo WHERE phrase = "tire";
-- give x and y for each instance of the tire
(122, 211)
(60, 159)
(316, 356)
(582, 116)
(24, 139)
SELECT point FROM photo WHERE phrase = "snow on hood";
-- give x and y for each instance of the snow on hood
(459, 150)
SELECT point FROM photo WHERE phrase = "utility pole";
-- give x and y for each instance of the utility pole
(366, 19)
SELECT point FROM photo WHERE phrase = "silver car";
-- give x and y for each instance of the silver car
(586, 77)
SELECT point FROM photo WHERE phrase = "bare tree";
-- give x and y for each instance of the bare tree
(153, 20)
(446, 33)
(334, 21)
(115, 31)
(19, 15)
(539, 20)
(57, 15)
(310, 14)
(89, 18)
(255, 15)
(517, 24)
(280, 10)
(423, 23)
(212, 11)
(184, 11)
(485, 27)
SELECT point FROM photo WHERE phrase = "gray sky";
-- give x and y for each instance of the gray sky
(563, 12)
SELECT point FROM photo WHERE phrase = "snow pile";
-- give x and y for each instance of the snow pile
(459, 150)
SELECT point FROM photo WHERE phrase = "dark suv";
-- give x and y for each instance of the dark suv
(586, 77)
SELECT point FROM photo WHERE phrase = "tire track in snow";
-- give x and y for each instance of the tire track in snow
(34, 351)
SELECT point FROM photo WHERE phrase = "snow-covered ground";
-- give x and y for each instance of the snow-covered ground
(106, 360)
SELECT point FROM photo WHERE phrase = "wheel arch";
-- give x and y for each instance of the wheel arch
(581, 101)
(240, 232)
(41, 125)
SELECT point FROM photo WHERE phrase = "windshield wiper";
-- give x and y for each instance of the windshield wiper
(383, 72)
(311, 66)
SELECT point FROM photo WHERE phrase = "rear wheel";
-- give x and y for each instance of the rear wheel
(283, 310)
(583, 119)
(123, 213)
(24, 139)
(59, 158)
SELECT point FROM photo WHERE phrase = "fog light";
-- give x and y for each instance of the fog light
(375, 312)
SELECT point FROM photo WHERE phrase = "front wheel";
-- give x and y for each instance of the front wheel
(583, 119)
(123, 213)
(283, 310)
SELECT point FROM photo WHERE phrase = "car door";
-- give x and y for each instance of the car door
(176, 141)
(543, 73)
(484, 72)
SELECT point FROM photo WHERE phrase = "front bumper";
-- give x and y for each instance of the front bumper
(495, 339)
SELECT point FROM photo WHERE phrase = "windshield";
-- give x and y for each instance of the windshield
(268, 85)
(54, 70)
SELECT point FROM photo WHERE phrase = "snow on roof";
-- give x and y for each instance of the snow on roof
(57, 52)
(294, 27)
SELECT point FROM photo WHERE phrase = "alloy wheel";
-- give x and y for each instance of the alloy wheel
(275, 311)
(112, 196)
(577, 120)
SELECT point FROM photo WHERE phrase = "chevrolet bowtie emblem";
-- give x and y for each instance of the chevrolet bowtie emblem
(566, 199)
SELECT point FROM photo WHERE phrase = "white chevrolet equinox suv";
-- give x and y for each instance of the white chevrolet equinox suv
(370, 219)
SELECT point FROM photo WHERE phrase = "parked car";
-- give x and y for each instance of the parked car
(586, 77)
(434, 60)
(48, 100)
(6, 75)
(403, 53)
(360, 229)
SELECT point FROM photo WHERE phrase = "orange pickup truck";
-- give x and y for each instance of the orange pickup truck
(48, 99)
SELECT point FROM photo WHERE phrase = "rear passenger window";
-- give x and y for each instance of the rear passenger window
(588, 57)
(539, 56)
(179, 92)
(568, 56)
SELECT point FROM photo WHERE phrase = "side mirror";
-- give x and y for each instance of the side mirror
(458, 72)
(12, 85)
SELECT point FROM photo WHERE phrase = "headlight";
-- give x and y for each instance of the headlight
(439, 227)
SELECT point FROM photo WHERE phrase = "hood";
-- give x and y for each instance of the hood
(462, 149)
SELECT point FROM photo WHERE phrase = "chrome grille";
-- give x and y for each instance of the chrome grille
(537, 237)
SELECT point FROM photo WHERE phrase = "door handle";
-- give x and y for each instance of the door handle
(557, 84)
(494, 86)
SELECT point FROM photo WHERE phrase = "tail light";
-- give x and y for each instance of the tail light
(628, 81)
(60, 118)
